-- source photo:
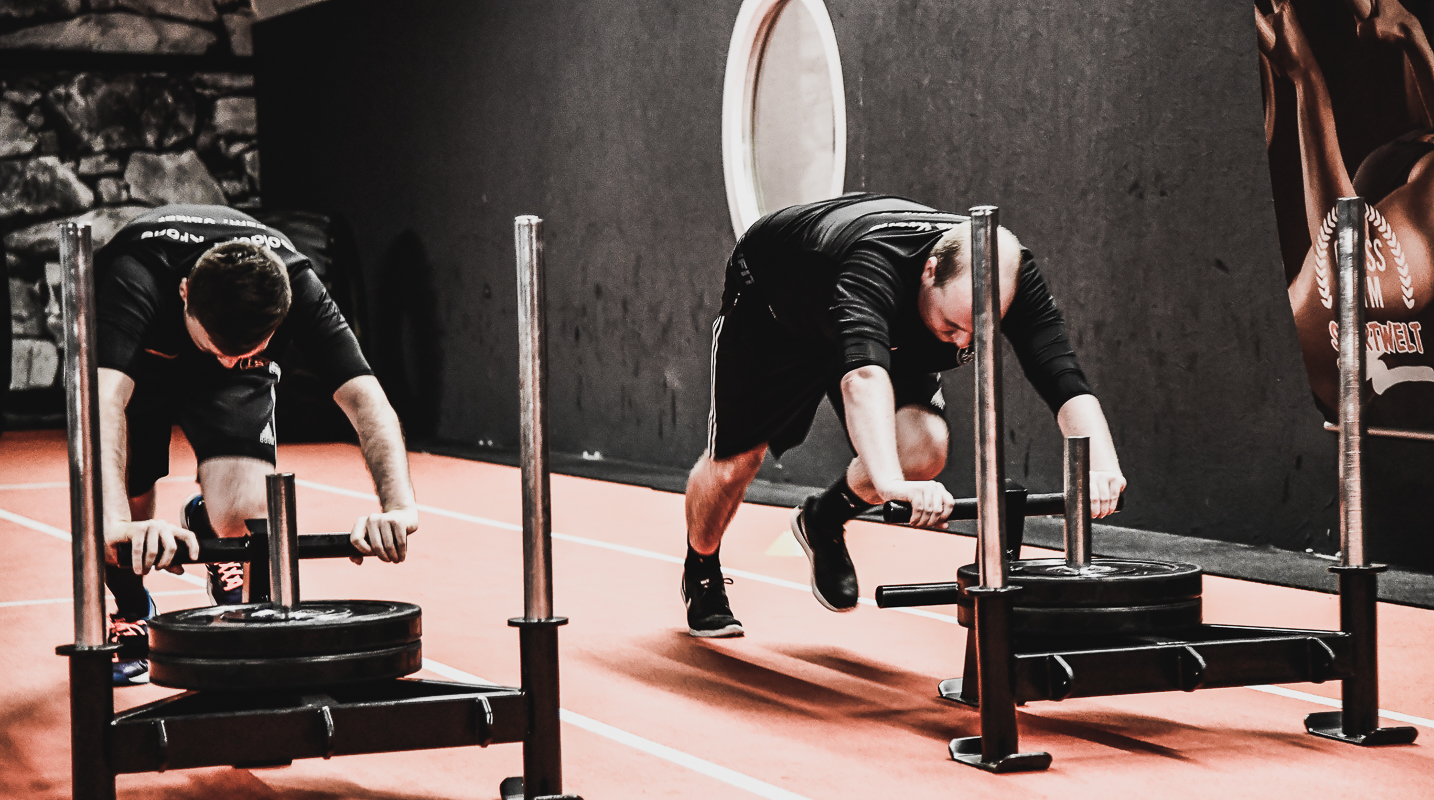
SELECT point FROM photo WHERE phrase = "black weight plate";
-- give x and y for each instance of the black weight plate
(302, 672)
(310, 628)
(1086, 621)
(1048, 582)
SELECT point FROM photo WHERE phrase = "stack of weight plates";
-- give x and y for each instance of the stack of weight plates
(261, 646)
(1112, 596)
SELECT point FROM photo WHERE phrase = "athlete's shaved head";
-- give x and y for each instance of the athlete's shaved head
(944, 301)
(953, 254)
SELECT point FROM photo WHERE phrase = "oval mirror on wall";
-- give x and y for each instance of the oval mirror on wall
(783, 109)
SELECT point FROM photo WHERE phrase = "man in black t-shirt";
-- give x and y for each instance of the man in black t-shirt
(864, 299)
(194, 303)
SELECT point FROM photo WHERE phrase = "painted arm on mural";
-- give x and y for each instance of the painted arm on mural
(1283, 43)
(1399, 250)
(1390, 22)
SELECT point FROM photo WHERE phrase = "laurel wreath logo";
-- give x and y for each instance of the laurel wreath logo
(1326, 233)
(1385, 232)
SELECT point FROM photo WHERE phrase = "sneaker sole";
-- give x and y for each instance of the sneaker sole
(730, 632)
(139, 679)
(801, 537)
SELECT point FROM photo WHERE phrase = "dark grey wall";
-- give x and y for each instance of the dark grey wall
(432, 124)
(1122, 140)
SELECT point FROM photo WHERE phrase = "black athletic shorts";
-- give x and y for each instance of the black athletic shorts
(767, 383)
(223, 412)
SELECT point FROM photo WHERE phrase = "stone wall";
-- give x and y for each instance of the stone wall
(101, 143)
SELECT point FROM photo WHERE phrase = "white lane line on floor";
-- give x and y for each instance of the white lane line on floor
(1335, 703)
(702, 766)
(620, 548)
(441, 512)
(1292, 693)
(678, 757)
(57, 600)
(51, 530)
(35, 525)
(5, 487)
(721, 773)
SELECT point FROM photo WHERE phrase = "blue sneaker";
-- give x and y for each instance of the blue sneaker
(226, 580)
(226, 583)
(131, 664)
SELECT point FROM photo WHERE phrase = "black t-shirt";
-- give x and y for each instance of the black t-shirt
(140, 310)
(847, 271)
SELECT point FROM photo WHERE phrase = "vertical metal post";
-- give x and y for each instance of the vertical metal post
(990, 452)
(1349, 257)
(83, 422)
(283, 540)
(91, 687)
(538, 628)
(1357, 721)
(533, 436)
(995, 750)
(1077, 533)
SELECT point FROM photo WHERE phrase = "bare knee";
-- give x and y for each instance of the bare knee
(231, 522)
(741, 468)
(921, 442)
(233, 492)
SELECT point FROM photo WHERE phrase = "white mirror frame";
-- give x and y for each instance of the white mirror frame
(744, 59)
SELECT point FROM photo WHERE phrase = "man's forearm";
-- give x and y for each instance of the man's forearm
(1082, 416)
(387, 460)
(115, 390)
(380, 439)
(871, 423)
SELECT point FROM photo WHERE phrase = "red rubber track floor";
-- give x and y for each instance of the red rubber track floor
(810, 704)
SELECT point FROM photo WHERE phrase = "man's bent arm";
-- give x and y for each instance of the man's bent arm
(116, 388)
(1082, 416)
(153, 542)
(871, 423)
(381, 441)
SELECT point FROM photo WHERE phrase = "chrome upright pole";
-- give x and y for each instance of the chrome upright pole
(1077, 502)
(91, 667)
(83, 422)
(283, 540)
(990, 452)
(1349, 257)
(538, 629)
(1357, 720)
(533, 396)
(997, 748)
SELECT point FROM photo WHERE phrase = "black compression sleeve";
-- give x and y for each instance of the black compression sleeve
(321, 331)
(867, 293)
(1037, 332)
(126, 299)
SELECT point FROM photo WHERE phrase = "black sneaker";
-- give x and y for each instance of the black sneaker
(131, 663)
(833, 576)
(708, 614)
(226, 580)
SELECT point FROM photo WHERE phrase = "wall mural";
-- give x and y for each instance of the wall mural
(1349, 110)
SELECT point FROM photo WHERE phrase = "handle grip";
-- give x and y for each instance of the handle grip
(244, 548)
(918, 594)
(898, 512)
